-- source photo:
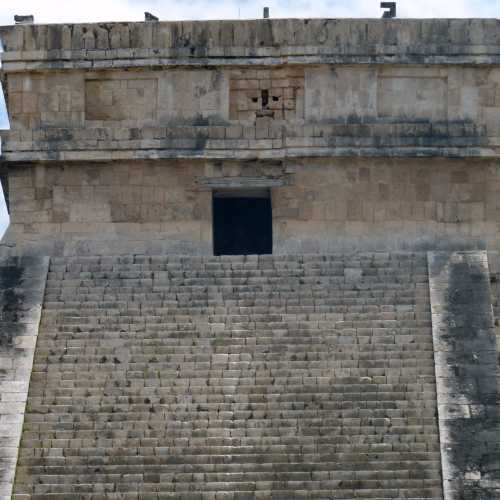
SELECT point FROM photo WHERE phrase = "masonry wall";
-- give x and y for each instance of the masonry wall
(137, 207)
(319, 205)
(404, 204)
(325, 92)
(370, 134)
(277, 111)
(115, 99)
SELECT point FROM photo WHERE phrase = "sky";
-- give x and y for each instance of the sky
(56, 11)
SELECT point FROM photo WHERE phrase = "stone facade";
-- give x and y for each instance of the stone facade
(326, 375)
(131, 122)
(319, 205)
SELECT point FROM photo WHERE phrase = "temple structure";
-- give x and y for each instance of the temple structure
(251, 260)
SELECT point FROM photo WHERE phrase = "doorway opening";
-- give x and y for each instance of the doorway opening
(242, 222)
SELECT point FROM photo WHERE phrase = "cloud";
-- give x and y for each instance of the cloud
(445, 8)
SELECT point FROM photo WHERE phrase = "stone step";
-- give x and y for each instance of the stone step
(233, 378)
(273, 492)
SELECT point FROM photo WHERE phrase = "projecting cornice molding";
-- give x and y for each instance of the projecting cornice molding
(279, 41)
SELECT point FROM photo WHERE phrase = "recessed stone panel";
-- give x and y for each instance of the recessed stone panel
(412, 97)
(121, 99)
(192, 97)
(340, 93)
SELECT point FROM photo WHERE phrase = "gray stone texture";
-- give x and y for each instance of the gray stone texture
(124, 91)
(466, 374)
(331, 40)
(370, 134)
(202, 378)
(74, 115)
(119, 130)
(319, 205)
(22, 284)
(275, 377)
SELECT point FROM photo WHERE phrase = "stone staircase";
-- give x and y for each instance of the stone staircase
(233, 378)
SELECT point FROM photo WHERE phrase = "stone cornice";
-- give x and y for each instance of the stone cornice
(248, 154)
(420, 139)
(279, 41)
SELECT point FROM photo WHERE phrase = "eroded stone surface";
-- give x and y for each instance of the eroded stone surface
(22, 284)
(331, 40)
(306, 376)
(199, 378)
(324, 205)
(319, 87)
(466, 374)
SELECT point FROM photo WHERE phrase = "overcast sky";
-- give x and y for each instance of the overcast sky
(57, 11)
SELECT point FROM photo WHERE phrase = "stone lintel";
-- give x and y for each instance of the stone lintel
(239, 183)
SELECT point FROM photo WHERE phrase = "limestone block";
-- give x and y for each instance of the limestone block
(411, 96)
(186, 95)
(121, 99)
(340, 92)
(90, 212)
(465, 365)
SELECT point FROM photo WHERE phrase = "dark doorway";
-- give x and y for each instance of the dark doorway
(242, 224)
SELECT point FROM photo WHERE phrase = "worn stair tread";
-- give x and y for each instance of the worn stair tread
(248, 377)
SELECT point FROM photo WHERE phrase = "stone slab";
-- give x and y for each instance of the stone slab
(239, 182)
(22, 285)
(465, 365)
(323, 40)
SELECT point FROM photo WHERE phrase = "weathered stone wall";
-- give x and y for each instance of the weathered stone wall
(22, 284)
(288, 111)
(146, 207)
(116, 99)
(113, 100)
(494, 271)
(264, 88)
(121, 131)
(331, 92)
(466, 374)
(281, 92)
(318, 205)
(424, 41)
(267, 89)
(392, 204)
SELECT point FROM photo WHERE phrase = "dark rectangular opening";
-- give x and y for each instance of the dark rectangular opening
(242, 223)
